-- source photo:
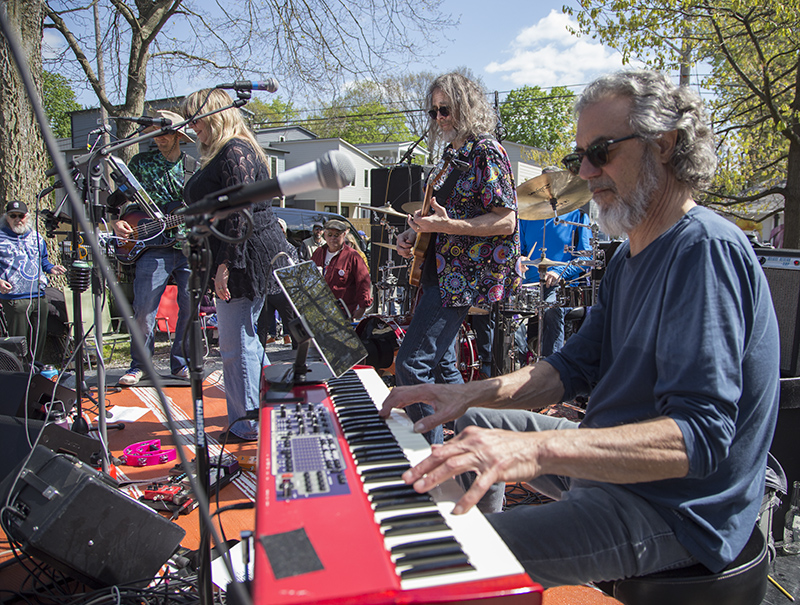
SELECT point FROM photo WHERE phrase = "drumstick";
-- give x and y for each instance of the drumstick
(530, 254)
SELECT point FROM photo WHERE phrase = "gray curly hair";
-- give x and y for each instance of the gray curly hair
(472, 114)
(659, 106)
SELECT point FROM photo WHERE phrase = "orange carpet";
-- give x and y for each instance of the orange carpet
(152, 425)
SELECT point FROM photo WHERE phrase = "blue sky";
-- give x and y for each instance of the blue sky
(522, 43)
(518, 43)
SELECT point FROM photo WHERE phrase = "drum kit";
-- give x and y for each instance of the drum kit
(544, 197)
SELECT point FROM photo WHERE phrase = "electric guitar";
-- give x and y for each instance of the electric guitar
(423, 239)
(147, 233)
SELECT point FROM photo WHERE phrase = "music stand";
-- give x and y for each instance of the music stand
(319, 321)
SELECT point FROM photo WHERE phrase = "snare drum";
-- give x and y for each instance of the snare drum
(524, 300)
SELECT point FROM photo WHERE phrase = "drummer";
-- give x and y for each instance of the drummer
(554, 237)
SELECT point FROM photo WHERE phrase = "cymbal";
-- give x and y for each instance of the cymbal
(384, 210)
(544, 262)
(534, 196)
(411, 207)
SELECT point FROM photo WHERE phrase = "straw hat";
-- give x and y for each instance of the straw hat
(175, 119)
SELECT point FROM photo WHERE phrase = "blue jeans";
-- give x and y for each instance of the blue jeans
(152, 274)
(593, 531)
(427, 353)
(243, 358)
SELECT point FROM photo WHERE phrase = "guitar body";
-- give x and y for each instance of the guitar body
(423, 239)
(421, 243)
(147, 233)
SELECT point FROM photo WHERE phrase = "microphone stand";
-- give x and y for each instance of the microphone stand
(199, 266)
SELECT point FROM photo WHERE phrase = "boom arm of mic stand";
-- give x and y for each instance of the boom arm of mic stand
(410, 150)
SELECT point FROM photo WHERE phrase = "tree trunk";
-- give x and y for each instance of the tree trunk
(22, 154)
(23, 158)
(791, 235)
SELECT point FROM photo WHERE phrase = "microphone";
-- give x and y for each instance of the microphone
(51, 188)
(147, 121)
(333, 170)
(270, 85)
(103, 128)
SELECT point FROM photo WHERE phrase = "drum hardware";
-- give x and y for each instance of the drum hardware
(540, 197)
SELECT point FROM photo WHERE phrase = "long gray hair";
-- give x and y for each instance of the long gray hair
(659, 106)
(472, 114)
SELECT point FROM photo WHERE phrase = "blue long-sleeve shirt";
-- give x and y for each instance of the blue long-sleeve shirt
(555, 237)
(23, 263)
(686, 329)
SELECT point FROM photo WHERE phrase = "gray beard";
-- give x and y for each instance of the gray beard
(629, 211)
(449, 136)
(20, 229)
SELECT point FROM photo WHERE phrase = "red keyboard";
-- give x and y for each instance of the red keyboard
(335, 524)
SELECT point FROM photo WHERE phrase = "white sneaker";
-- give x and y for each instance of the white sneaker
(131, 378)
(182, 373)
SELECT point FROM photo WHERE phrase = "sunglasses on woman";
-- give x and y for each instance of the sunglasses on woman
(597, 154)
(443, 110)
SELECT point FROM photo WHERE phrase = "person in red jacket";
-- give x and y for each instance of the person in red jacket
(345, 271)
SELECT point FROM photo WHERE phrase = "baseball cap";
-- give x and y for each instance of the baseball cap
(18, 206)
(336, 225)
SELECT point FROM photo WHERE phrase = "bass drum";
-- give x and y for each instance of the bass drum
(382, 335)
(467, 354)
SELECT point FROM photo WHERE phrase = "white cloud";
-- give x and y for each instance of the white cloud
(52, 44)
(547, 54)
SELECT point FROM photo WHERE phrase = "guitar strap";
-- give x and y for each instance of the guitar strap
(189, 167)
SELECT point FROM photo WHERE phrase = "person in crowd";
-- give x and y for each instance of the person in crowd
(344, 270)
(312, 242)
(680, 356)
(474, 242)
(241, 266)
(23, 267)
(277, 302)
(162, 172)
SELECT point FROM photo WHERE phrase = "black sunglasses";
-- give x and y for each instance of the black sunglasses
(14, 215)
(597, 154)
(443, 110)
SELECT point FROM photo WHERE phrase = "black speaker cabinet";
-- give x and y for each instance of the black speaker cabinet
(13, 353)
(75, 519)
(782, 268)
(36, 392)
(395, 187)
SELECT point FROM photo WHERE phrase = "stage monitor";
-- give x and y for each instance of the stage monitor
(333, 335)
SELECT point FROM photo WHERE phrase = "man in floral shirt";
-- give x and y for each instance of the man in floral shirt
(471, 258)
